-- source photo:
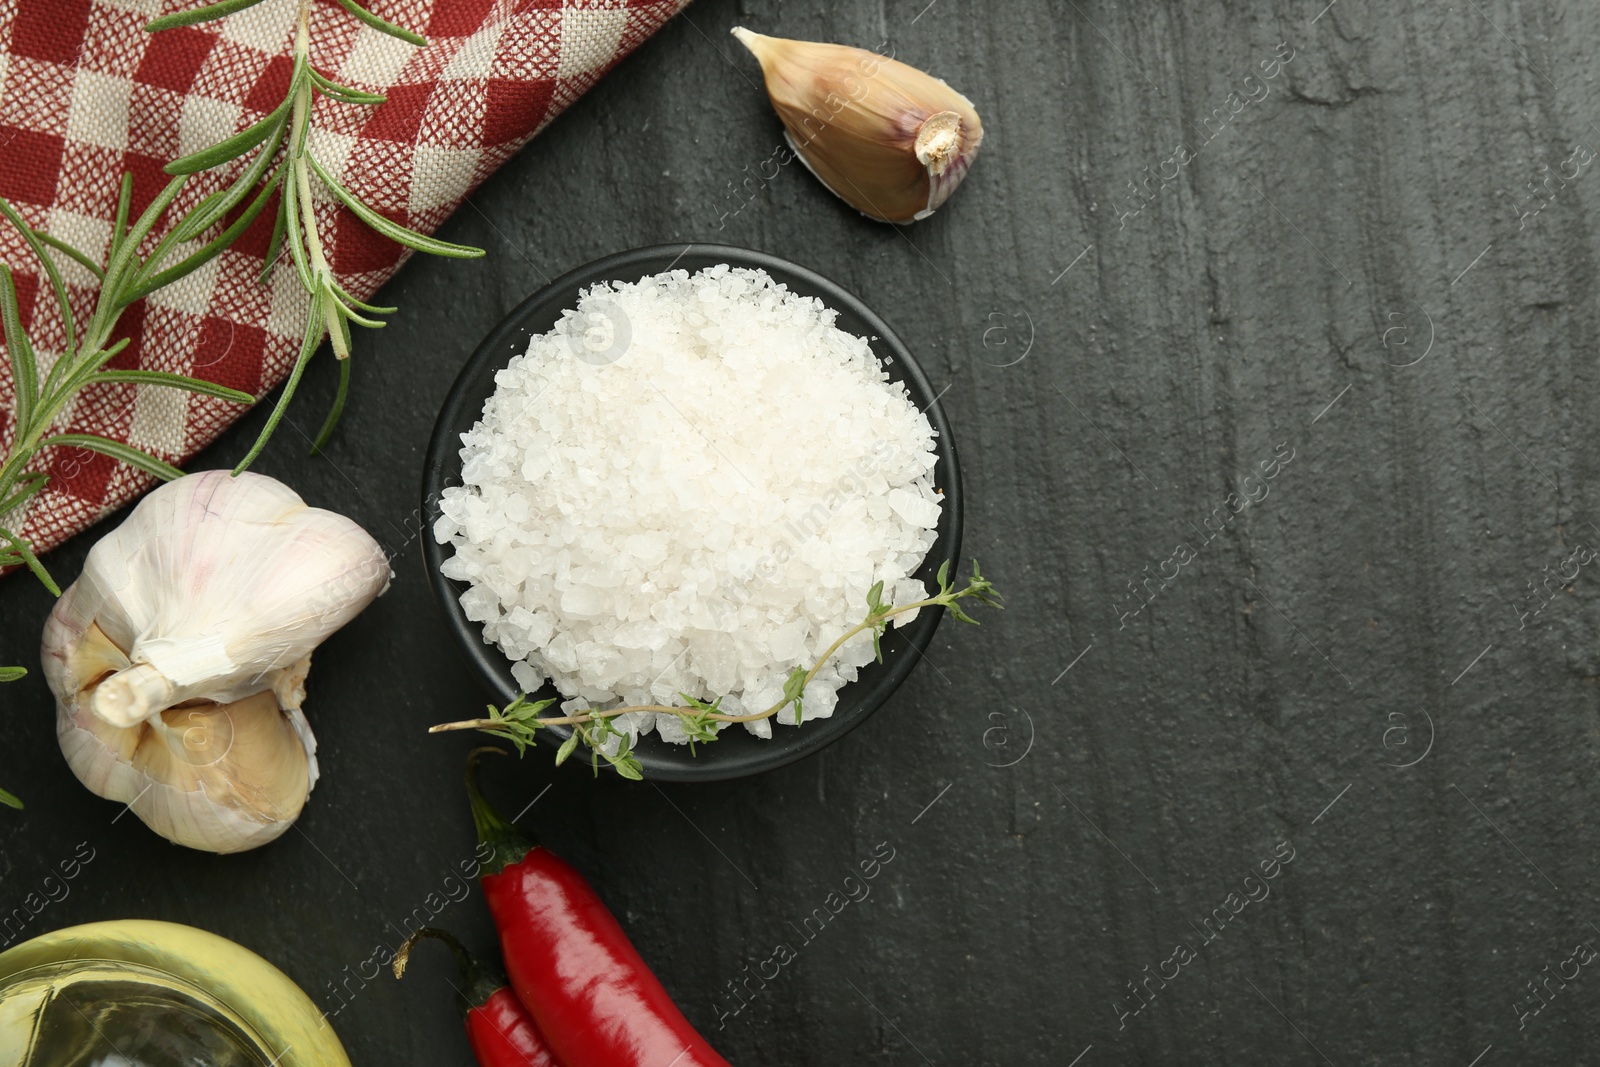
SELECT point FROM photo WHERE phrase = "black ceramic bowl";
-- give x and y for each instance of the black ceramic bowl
(736, 753)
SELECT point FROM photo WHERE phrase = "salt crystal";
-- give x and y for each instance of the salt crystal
(913, 508)
(582, 600)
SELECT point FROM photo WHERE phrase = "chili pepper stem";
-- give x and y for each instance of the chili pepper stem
(507, 844)
(479, 983)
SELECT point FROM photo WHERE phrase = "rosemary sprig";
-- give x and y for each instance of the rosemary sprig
(41, 395)
(521, 720)
(11, 674)
(295, 226)
(282, 161)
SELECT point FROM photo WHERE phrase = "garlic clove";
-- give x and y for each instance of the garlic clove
(888, 139)
(196, 619)
(218, 777)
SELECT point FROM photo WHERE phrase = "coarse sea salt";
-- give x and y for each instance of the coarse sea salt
(688, 486)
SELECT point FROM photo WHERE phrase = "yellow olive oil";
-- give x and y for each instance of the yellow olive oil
(152, 994)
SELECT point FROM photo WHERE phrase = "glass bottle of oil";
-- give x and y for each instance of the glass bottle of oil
(153, 994)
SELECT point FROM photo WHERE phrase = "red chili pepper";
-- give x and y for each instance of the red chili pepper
(501, 1031)
(589, 991)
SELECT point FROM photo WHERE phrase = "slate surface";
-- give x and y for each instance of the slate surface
(1347, 264)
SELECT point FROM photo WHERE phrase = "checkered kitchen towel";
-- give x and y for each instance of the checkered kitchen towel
(86, 94)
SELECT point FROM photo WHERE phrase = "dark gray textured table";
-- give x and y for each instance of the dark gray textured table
(1346, 264)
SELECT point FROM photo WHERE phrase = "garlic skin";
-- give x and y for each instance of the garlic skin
(179, 657)
(888, 139)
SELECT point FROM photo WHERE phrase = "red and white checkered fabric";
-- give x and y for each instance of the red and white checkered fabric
(86, 94)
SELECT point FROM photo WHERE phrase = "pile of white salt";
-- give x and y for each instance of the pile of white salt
(688, 486)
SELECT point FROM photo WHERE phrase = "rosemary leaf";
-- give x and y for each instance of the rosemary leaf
(382, 26)
(175, 381)
(297, 250)
(207, 252)
(13, 674)
(308, 347)
(299, 87)
(274, 245)
(24, 368)
(24, 555)
(222, 9)
(337, 411)
(392, 230)
(233, 147)
(199, 219)
(343, 93)
(119, 226)
(27, 486)
(133, 457)
(87, 367)
(36, 246)
(82, 260)
(128, 248)
(10, 800)
(214, 207)
(350, 301)
(360, 320)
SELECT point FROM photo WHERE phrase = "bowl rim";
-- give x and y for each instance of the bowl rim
(463, 406)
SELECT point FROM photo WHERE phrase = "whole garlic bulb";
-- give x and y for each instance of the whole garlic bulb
(178, 658)
(888, 139)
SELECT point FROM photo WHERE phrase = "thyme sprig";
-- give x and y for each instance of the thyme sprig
(521, 720)
(281, 161)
